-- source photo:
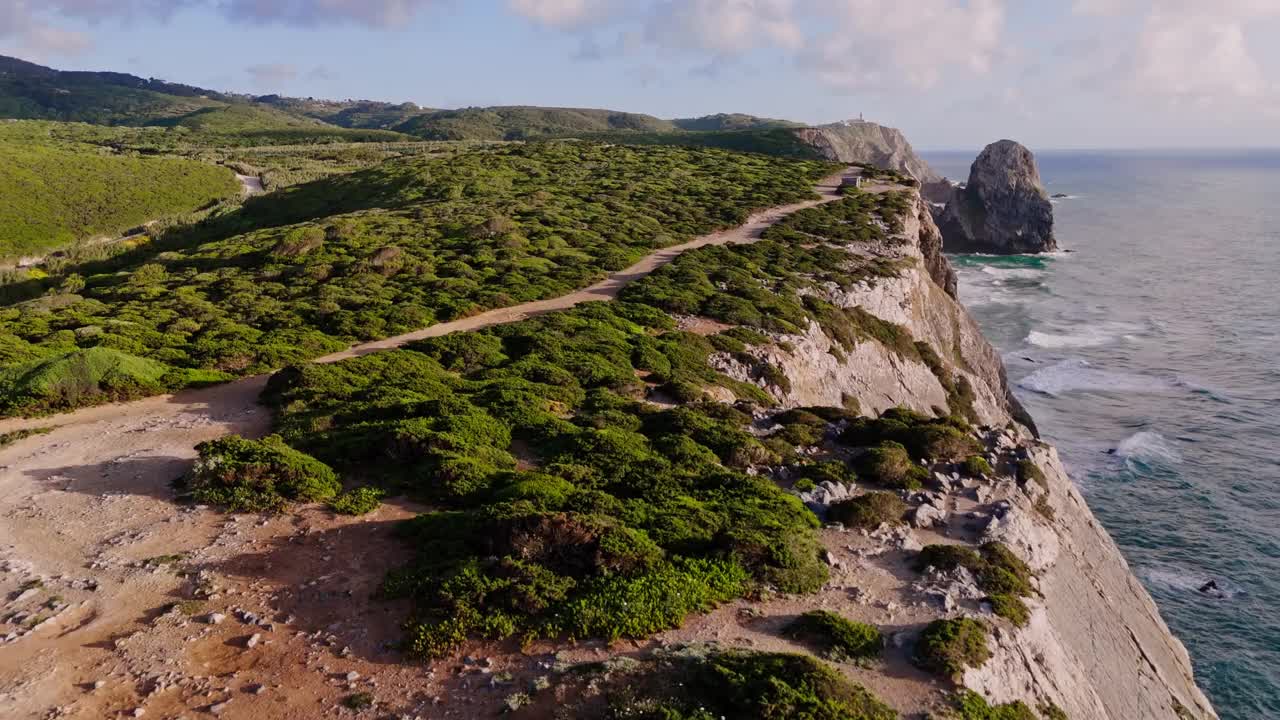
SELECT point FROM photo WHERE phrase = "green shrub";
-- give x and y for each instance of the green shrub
(969, 705)
(358, 701)
(839, 638)
(977, 466)
(1028, 471)
(889, 465)
(77, 378)
(947, 647)
(1011, 607)
(869, 511)
(949, 557)
(923, 437)
(640, 606)
(257, 475)
(14, 436)
(360, 501)
(1002, 575)
(393, 247)
(1050, 711)
(734, 684)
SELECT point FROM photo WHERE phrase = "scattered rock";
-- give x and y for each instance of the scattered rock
(253, 640)
(215, 618)
(926, 516)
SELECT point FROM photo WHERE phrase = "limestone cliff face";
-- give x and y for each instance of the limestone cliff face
(856, 141)
(1095, 646)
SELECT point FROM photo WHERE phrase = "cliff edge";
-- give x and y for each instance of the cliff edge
(1094, 644)
(858, 141)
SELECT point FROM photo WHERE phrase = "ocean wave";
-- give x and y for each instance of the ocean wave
(1148, 447)
(1085, 336)
(1182, 580)
(1072, 375)
(1091, 337)
(1013, 273)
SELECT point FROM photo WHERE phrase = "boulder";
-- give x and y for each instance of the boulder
(1003, 209)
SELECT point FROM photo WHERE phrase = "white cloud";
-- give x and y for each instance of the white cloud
(874, 44)
(849, 44)
(1189, 50)
(724, 26)
(377, 13)
(32, 36)
(564, 13)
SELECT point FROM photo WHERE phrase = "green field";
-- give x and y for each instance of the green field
(52, 198)
(397, 247)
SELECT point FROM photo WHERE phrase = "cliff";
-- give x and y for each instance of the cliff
(858, 141)
(1094, 645)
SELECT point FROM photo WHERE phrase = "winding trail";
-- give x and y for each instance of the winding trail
(92, 499)
(250, 185)
(235, 402)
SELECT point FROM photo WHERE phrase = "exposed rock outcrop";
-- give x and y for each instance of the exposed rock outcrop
(1095, 645)
(1003, 209)
(858, 141)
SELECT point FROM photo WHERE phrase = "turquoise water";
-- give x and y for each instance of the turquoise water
(1158, 339)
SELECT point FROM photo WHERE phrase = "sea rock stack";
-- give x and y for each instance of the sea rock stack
(1003, 210)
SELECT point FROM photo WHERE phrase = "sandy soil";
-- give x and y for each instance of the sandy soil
(106, 585)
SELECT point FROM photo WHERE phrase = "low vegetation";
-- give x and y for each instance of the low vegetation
(256, 475)
(836, 637)
(14, 436)
(999, 573)
(948, 647)
(359, 501)
(869, 511)
(936, 438)
(382, 251)
(52, 198)
(969, 705)
(728, 684)
(976, 466)
(568, 506)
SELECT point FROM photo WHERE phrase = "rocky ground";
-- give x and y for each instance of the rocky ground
(138, 606)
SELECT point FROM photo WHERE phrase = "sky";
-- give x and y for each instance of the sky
(953, 74)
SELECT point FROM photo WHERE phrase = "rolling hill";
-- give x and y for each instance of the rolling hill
(51, 198)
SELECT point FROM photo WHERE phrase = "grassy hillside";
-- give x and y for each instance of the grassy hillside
(519, 123)
(731, 121)
(246, 124)
(32, 91)
(619, 517)
(780, 142)
(403, 245)
(50, 198)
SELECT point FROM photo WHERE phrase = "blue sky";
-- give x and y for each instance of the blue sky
(953, 74)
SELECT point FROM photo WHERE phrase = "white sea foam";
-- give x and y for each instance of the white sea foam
(1089, 337)
(1072, 375)
(1148, 447)
(1183, 580)
(1013, 273)
(1085, 336)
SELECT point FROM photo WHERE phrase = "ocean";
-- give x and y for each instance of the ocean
(1150, 355)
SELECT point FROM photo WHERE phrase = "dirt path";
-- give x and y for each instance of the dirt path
(250, 185)
(93, 554)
